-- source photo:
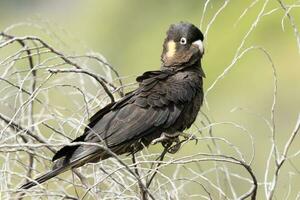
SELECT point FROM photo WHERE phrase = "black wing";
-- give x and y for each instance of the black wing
(142, 114)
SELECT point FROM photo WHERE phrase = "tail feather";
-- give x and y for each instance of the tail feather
(62, 165)
(45, 177)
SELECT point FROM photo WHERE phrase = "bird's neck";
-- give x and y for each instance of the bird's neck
(182, 66)
(194, 67)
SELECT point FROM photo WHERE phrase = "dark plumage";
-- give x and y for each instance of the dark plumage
(166, 101)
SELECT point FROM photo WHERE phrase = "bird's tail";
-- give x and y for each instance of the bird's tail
(45, 177)
(62, 165)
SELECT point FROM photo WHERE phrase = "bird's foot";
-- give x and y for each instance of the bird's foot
(173, 149)
(167, 141)
(170, 147)
(163, 138)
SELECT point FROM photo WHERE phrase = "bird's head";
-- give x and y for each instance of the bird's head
(183, 45)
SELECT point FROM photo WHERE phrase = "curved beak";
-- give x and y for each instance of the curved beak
(200, 46)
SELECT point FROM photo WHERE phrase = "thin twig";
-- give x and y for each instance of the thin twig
(99, 79)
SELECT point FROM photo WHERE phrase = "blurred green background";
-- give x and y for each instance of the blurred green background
(130, 34)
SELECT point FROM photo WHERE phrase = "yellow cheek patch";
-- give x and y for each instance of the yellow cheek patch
(171, 48)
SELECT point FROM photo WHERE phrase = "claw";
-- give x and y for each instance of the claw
(175, 148)
(189, 136)
(167, 139)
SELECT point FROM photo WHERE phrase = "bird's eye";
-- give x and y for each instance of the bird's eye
(183, 40)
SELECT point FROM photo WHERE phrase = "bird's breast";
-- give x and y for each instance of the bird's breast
(190, 111)
(193, 91)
